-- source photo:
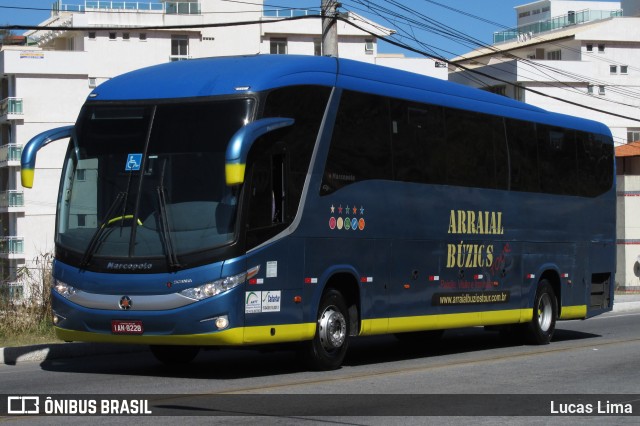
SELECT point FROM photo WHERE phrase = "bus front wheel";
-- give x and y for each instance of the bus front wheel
(545, 313)
(329, 346)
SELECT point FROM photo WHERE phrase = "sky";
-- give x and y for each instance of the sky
(501, 13)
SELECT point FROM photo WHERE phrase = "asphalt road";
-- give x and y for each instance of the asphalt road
(599, 356)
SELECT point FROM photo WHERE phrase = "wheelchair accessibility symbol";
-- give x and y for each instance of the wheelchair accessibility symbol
(134, 161)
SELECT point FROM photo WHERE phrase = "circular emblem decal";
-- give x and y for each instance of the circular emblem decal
(125, 303)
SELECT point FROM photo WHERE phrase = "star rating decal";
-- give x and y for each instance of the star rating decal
(347, 223)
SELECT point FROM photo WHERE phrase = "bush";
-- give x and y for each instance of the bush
(29, 320)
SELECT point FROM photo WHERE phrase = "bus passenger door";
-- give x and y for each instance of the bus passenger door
(270, 294)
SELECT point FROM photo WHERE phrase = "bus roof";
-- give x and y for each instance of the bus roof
(235, 75)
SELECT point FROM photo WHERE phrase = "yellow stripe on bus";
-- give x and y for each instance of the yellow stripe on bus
(232, 337)
(444, 321)
(281, 333)
(573, 312)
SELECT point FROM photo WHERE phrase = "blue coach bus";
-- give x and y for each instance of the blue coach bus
(274, 199)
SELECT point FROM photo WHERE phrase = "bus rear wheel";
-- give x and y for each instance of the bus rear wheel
(329, 346)
(174, 355)
(545, 313)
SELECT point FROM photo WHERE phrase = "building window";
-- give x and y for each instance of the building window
(368, 46)
(589, 47)
(317, 47)
(601, 90)
(126, 36)
(80, 174)
(524, 14)
(82, 220)
(590, 89)
(92, 35)
(555, 55)
(112, 36)
(278, 46)
(92, 82)
(179, 47)
(601, 48)
(613, 69)
(624, 69)
(633, 135)
(142, 37)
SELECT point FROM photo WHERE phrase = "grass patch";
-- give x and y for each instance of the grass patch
(34, 334)
(27, 321)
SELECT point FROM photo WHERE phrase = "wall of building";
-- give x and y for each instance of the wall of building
(631, 7)
(628, 205)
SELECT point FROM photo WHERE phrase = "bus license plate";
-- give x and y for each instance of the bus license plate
(126, 327)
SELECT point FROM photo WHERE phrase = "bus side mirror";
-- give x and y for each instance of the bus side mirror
(28, 159)
(241, 142)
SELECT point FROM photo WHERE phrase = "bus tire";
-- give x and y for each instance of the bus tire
(329, 345)
(174, 355)
(545, 313)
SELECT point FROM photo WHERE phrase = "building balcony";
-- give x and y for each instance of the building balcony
(175, 58)
(169, 7)
(555, 23)
(288, 12)
(12, 247)
(11, 201)
(11, 109)
(10, 155)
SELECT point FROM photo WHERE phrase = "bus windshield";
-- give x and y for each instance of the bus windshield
(144, 180)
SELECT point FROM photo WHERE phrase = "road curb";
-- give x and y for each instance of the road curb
(52, 351)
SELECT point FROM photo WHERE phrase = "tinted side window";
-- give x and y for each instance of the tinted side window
(523, 155)
(476, 152)
(360, 147)
(418, 142)
(595, 163)
(306, 105)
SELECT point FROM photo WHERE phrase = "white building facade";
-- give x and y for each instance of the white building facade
(44, 85)
(586, 56)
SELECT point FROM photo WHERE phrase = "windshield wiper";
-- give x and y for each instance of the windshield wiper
(172, 258)
(95, 239)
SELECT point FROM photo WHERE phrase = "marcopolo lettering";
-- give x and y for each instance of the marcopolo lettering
(129, 266)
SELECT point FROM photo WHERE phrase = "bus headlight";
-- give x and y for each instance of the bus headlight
(63, 289)
(217, 287)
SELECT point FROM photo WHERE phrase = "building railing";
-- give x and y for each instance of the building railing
(11, 245)
(10, 152)
(10, 106)
(288, 12)
(12, 198)
(572, 18)
(169, 7)
(175, 58)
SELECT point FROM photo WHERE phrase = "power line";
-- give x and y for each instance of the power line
(295, 18)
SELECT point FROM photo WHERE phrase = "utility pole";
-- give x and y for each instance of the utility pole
(330, 28)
